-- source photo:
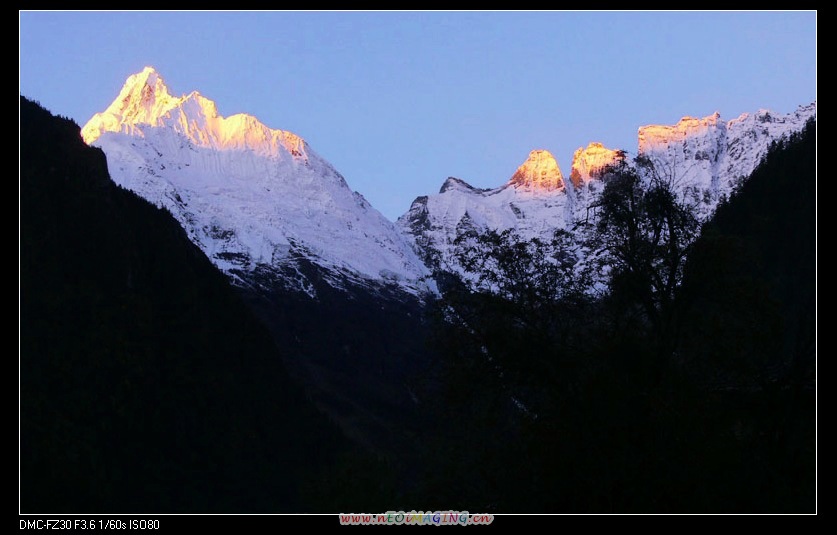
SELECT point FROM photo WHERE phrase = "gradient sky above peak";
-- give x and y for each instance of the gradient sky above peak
(397, 102)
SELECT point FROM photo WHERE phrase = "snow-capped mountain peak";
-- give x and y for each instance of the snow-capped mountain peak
(540, 171)
(589, 162)
(253, 198)
(144, 98)
(145, 101)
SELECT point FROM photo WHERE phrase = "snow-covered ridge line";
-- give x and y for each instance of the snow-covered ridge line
(704, 157)
(145, 101)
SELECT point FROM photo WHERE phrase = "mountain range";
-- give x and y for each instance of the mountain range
(213, 321)
(704, 159)
(265, 208)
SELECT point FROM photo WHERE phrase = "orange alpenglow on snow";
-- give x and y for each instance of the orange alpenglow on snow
(588, 163)
(145, 102)
(657, 136)
(539, 172)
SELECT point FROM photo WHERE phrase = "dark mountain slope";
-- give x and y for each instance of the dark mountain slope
(762, 243)
(145, 384)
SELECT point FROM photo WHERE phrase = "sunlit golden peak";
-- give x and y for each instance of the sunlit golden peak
(589, 162)
(144, 102)
(540, 171)
(660, 135)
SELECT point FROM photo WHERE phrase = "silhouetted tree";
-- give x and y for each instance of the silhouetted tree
(640, 237)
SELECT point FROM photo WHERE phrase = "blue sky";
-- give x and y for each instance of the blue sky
(397, 102)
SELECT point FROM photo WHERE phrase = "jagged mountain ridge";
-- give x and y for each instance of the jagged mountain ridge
(265, 208)
(254, 199)
(704, 158)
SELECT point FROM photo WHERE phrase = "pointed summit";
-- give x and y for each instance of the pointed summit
(143, 99)
(539, 172)
(144, 102)
(588, 163)
(148, 77)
